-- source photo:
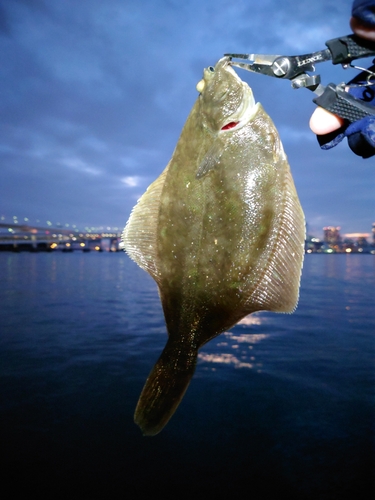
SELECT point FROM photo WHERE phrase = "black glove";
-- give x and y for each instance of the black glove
(360, 134)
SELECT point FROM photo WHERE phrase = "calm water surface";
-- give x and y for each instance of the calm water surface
(280, 406)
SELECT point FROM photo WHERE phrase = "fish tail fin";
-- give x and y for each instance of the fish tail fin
(165, 388)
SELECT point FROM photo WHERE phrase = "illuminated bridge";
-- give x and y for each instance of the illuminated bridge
(18, 237)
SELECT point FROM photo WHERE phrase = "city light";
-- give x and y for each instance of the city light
(22, 233)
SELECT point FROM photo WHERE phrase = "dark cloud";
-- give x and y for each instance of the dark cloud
(95, 94)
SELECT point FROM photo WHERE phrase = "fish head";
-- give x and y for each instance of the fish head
(226, 101)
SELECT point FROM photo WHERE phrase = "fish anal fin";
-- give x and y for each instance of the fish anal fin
(140, 233)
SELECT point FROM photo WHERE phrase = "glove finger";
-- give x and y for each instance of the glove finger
(360, 146)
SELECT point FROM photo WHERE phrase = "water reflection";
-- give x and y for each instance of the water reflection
(224, 358)
(253, 319)
(247, 338)
(242, 343)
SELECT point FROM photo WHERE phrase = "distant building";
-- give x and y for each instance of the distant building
(335, 242)
(360, 239)
(313, 244)
(331, 236)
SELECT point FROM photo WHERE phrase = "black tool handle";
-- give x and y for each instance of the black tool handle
(339, 102)
(347, 48)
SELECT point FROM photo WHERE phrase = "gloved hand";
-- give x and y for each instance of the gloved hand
(361, 137)
(360, 134)
(364, 10)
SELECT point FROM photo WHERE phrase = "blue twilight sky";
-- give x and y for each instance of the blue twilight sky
(94, 95)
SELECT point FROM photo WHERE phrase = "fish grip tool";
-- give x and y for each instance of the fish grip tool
(333, 98)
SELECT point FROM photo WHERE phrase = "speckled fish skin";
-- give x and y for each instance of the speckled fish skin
(221, 231)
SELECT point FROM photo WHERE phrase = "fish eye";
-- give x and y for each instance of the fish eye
(212, 69)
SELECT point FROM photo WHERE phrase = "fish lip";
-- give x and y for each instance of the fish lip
(245, 112)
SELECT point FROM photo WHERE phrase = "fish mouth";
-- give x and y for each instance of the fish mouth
(246, 110)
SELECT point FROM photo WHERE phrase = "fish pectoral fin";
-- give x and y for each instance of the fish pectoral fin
(211, 160)
(164, 388)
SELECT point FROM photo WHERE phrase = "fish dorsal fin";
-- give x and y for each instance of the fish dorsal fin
(140, 233)
(278, 286)
(211, 159)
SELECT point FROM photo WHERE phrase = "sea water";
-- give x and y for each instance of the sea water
(280, 405)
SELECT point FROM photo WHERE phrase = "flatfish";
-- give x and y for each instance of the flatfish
(221, 231)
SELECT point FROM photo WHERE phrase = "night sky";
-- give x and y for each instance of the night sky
(94, 95)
